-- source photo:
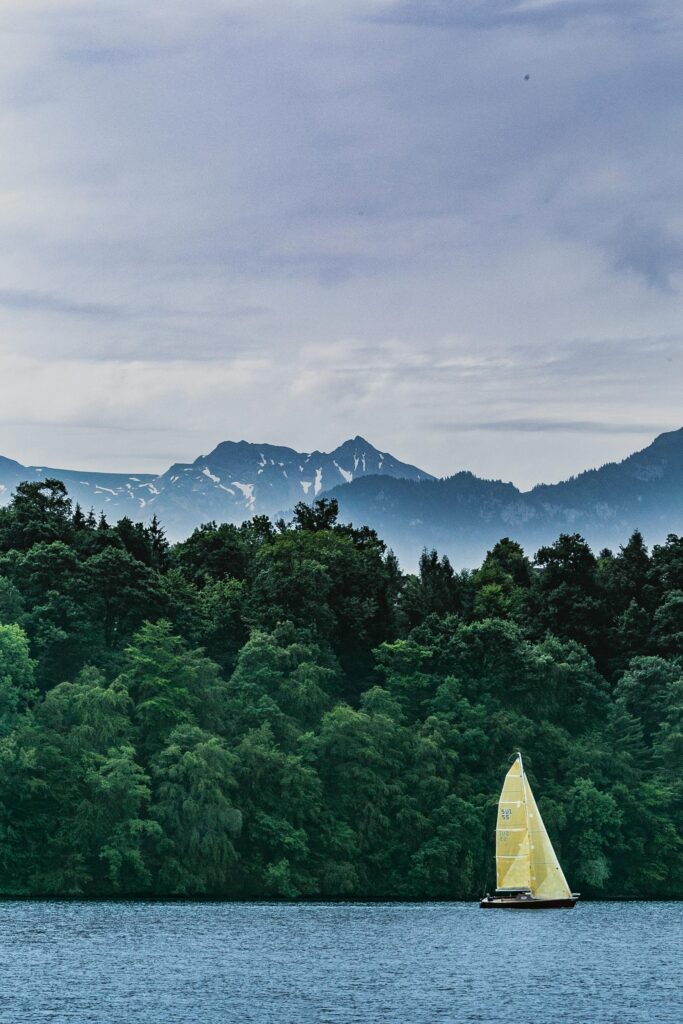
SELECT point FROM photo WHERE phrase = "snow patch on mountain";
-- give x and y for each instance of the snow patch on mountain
(348, 476)
(248, 492)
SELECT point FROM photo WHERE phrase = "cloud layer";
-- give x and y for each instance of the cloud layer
(301, 221)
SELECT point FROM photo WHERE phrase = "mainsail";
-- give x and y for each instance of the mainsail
(525, 859)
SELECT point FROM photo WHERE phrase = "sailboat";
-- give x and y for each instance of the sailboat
(528, 873)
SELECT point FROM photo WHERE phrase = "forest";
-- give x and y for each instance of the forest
(276, 710)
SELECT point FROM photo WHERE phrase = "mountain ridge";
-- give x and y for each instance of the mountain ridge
(461, 515)
(236, 480)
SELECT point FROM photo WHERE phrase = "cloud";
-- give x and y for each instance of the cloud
(18, 299)
(650, 250)
(551, 14)
(40, 302)
(303, 221)
(544, 426)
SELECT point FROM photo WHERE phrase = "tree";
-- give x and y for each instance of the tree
(507, 558)
(158, 544)
(666, 571)
(573, 691)
(78, 520)
(122, 592)
(63, 637)
(212, 552)
(220, 626)
(323, 581)
(435, 590)
(39, 511)
(595, 819)
(16, 675)
(408, 671)
(283, 677)
(279, 797)
(47, 567)
(83, 795)
(194, 776)
(501, 585)
(667, 625)
(321, 515)
(134, 539)
(630, 634)
(169, 686)
(11, 602)
(565, 599)
(360, 756)
(644, 689)
(112, 822)
(668, 741)
(633, 569)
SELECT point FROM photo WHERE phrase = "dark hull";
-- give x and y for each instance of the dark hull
(510, 903)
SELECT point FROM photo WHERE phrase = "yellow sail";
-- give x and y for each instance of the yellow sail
(513, 867)
(547, 878)
(525, 859)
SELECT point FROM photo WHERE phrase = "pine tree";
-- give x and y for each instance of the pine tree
(78, 520)
(159, 546)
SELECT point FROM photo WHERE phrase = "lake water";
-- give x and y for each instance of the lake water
(161, 963)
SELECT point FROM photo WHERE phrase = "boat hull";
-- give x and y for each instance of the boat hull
(512, 903)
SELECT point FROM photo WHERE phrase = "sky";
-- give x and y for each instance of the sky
(455, 228)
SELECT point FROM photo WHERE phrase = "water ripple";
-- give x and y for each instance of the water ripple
(175, 963)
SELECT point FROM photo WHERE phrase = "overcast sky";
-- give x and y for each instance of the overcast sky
(299, 221)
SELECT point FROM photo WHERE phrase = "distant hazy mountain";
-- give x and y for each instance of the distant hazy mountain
(234, 482)
(461, 515)
(96, 490)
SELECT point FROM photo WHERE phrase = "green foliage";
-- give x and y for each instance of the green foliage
(16, 675)
(168, 685)
(596, 819)
(40, 512)
(335, 583)
(195, 780)
(278, 711)
(212, 553)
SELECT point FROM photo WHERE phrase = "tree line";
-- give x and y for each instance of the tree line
(277, 710)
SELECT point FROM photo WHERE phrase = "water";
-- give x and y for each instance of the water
(162, 963)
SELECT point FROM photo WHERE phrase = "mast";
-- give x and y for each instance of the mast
(523, 778)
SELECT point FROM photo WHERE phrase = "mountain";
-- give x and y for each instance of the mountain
(234, 482)
(96, 490)
(238, 480)
(463, 515)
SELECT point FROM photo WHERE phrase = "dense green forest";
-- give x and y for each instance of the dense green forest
(276, 710)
